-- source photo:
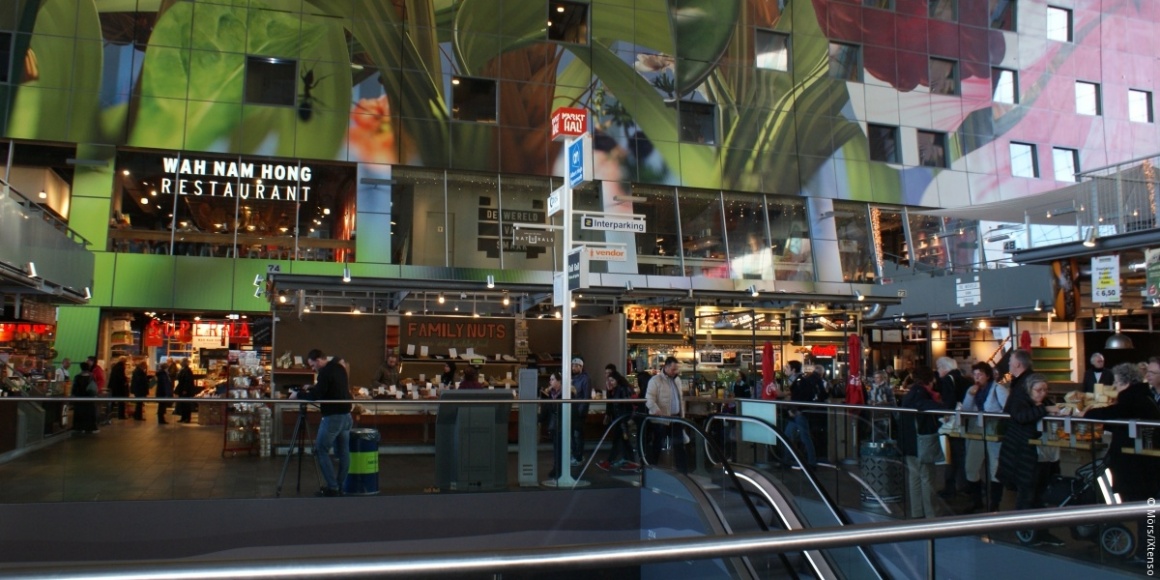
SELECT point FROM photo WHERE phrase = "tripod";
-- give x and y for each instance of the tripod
(298, 439)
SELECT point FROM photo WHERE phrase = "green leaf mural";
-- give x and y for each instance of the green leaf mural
(201, 48)
(702, 29)
(59, 70)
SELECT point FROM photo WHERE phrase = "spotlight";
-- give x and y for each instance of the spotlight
(1156, 303)
(441, 298)
(88, 293)
(346, 273)
(982, 324)
(861, 297)
(506, 300)
(258, 279)
(282, 299)
(258, 292)
(557, 314)
(753, 290)
(490, 281)
(628, 286)
(30, 269)
(44, 195)
(1038, 305)
(934, 326)
(1090, 240)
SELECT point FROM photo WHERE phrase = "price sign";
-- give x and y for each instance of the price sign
(1106, 279)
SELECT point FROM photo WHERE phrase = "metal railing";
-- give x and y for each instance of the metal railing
(588, 555)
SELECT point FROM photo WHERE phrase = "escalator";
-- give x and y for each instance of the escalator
(721, 499)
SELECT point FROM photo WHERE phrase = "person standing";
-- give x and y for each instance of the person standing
(1152, 377)
(119, 386)
(881, 394)
(334, 430)
(139, 386)
(550, 416)
(1135, 477)
(164, 391)
(447, 379)
(185, 389)
(98, 374)
(952, 387)
(665, 398)
(917, 433)
(1096, 374)
(62, 374)
(620, 456)
(84, 414)
(582, 386)
(802, 389)
(1018, 458)
(388, 373)
(470, 379)
(990, 397)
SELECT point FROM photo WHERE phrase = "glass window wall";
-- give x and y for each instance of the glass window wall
(658, 250)
(789, 238)
(855, 246)
(227, 206)
(750, 253)
(702, 238)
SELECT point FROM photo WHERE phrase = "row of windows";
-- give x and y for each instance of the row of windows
(932, 148)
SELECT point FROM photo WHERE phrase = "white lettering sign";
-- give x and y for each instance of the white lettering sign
(613, 224)
(203, 179)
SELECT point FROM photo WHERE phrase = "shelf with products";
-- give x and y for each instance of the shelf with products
(429, 370)
(247, 425)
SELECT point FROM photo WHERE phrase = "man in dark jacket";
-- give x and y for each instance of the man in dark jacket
(334, 429)
(802, 389)
(582, 386)
(920, 470)
(1096, 374)
(139, 386)
(119, 386)
(185, 389)
(1135, 476)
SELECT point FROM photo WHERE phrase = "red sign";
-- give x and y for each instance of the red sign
(568, 122)
(184, 331)
(824, 350)
(23, 331)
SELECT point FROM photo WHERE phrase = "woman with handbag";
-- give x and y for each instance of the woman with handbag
(918, 439)
(1027, 404)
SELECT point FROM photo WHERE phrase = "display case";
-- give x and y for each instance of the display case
(246, 424)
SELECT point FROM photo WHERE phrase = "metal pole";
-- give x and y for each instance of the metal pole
(564, 461)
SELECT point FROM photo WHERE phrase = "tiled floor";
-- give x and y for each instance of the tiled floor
(142, 460)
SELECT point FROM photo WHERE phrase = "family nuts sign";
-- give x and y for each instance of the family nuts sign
(568, 122)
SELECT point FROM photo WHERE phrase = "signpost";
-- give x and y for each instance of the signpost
(570, 125)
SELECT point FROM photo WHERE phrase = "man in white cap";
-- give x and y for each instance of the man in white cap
(582, 389)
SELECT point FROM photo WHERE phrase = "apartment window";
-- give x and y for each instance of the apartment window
(1023, 162)
(568, 22)
(883, 143)
(1058, 24)
(771, 50)
(846, 61)
(1087, 98)
(884, 4)
(1139, 106)
(473, 100)
(1002, 14)
(5, 55)
(943, 77)
(932, 149)
(1004, 86)
(271, 81)
(943, 9)
(1066, 162)
(697, 123)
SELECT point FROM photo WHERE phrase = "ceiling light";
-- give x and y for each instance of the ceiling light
(282, 299)
(441, 298)
(1038, 305)
(557, 314)
(30, 269)
(326, 211)
(1090, 240)
(753, 290)
(408, 313)
(455, 81)
(934, 326)
(506, 299)
(490, 281)
(43, 195)
(859, 296)
(346, 273)
(153, 192)
(560, 9)
(982, 324)
(197, 319)
(125, 172)
(144, 200)
(1119, 341)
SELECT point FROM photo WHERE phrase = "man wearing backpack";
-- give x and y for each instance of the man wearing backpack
(802, 389)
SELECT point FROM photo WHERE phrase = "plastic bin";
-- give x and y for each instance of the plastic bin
(363, 477)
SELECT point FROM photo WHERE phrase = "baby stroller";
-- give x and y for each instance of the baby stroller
(1085, 489)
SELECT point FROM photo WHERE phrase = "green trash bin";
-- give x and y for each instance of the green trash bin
(363, 477)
